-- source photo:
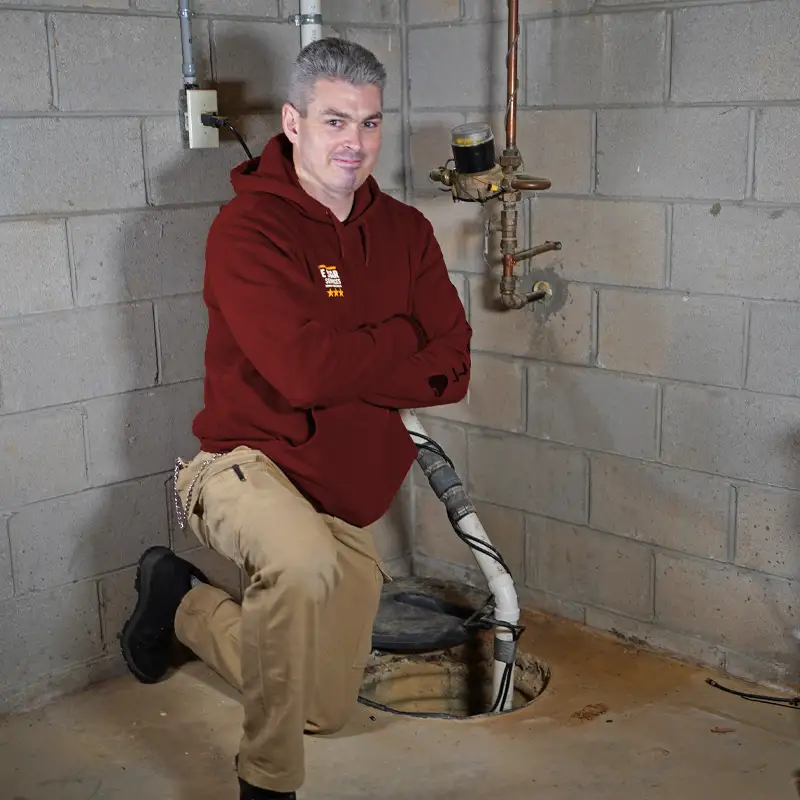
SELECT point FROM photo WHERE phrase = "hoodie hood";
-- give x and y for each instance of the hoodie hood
(273, 173)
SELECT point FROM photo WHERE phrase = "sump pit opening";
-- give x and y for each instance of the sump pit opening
(451, 684)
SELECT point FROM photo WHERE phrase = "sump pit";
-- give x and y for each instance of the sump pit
(444, 682)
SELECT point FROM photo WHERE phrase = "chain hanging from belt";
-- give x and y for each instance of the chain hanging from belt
(181, 512)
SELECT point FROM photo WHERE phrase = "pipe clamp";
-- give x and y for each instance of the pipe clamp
(305, 19)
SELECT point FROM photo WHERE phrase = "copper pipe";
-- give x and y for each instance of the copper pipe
(536, 251)
(529, 184)
(511, 88)
(508, 265)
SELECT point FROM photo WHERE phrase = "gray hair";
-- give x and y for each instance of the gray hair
(333, 59)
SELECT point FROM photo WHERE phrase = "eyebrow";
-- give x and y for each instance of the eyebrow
(333, 112)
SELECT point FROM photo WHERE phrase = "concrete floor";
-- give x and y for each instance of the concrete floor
(666, 735)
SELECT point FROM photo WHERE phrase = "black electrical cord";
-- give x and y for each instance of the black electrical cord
(787, 702)
(213, 121)
(479, 620)
(471, 541)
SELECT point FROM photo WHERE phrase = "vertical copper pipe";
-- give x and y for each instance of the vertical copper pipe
(511, 88)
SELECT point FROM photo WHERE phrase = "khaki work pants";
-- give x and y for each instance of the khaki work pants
(297, 646)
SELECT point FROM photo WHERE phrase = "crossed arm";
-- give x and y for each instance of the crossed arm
(407, 361)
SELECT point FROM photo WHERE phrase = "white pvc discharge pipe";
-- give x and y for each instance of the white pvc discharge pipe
(500, 583)
(189, 68)
(310, 21)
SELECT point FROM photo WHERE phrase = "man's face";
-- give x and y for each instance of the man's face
(338, 142)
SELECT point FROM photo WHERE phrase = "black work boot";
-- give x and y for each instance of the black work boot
(248, 792)
(162, 581)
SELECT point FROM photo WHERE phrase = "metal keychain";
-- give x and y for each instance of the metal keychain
(181, 512)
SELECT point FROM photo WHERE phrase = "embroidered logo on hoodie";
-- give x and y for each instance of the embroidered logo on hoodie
(333, 282)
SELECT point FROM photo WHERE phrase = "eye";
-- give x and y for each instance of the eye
(334, 122)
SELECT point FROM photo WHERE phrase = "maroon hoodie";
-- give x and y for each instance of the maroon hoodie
(320, 330)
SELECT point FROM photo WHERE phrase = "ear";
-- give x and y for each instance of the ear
(289, 120)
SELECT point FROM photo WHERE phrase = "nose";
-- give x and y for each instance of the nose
(353, 137)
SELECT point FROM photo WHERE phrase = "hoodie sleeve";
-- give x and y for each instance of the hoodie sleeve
(265, 297)
(439, 374)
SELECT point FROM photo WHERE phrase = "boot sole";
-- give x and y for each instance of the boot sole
(143, 584)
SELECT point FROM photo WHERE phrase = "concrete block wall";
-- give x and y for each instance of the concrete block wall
(631, 445)
(103, 219)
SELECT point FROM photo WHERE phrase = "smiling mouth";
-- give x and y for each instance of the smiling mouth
(347, 162)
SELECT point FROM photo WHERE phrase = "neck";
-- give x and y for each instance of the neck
(340, 205)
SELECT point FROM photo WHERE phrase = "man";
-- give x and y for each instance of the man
(330, 308)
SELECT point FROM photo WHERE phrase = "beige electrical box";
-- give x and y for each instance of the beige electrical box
(201, 101)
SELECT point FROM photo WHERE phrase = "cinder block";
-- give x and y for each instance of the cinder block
(559, 329)
(252, 63)
(117, 600)
(495, 398)
(25, 68)
(182, 326)
(6, 575)
(435, 537)
(555, 144)
(422, 11)
(34, 267)
(385, 44)
(603, 242)
(389, 171)
(780, 672)
(128, 73)
(50, 631)
(42, 456)
(652, 637)
(774, 343)
(636, 2)
(462, 287)
(452, 439)
(766, 530)
(230, 8)
(101, 530)
(75, 355)
(135, 256)
(747, 611)
(592, 408)
(590, 567)
(521, 473)
(175, 175)
(99, 165)
(68, 3)
(475, 82)
(672, 152)
(672, 508)
(598, 58)
(459, 230)
(731, 433)
(686, 337)
(142, 433)
(550, 604)
(777, 171)
(393, 532)
(498, 9)
(749, 252)
(735, 53)
(376, 11)
(431, 147)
